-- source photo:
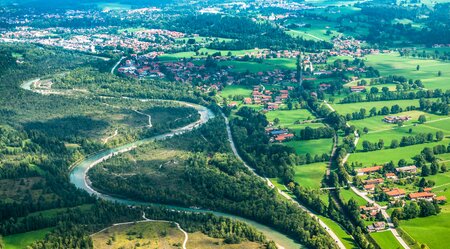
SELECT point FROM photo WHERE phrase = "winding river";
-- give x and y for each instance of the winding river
(78, 176)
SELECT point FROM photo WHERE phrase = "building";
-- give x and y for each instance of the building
(422, 196)
(374, 181)
(357, 89)
(407, 169)
(369, 187)
(396, 193)
(368, 170)
(441, 199)
(247, 101)
(283, 137)
(376, 226)
(391, 176)
(396, 119)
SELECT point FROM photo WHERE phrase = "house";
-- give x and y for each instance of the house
(368, 170)
(396, 193)
(376, 226)
(374, 181)
(407, 169)
(369, 210)
(422, 196)
(441, 199)
(324, 86)
(283, 137)
(396, 119)
(232, 104)
(247, 101)
(369, 187)
(357, 89)
(391, 176)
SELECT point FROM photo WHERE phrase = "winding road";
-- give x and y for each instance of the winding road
(364, 194)
(285, 195)
(78, 176)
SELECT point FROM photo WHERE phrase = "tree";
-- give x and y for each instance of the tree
(418, 67)
(425, 170)
(422, 119)
(276, 121)
(439, 135)
(439, 74)
(394, 144)
(443, 168)
(366, 130)
(434, 168)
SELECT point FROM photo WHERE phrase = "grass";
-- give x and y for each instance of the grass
(393, 64)
(376, 124)
(386, 155)
(205, 51)
(346, 239)
(155, 235)
(399, 132)
(159, 235)
(348, 194)
(310, 175)
(266, 65)
(236, 90)
(289, 117)
(313, 147)
(355, 107)
(386, 240)
(22, 240)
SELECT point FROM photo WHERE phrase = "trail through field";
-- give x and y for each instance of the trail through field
(424, 124)
(149, 118)
(105, 140)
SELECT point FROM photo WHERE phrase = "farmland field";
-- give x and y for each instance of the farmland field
(289, 117)
(22, 240)
(355, 107)
(310, 175)
(393, 64)
(236, 90)
(313, 147)
(386, 240)
(386, 155)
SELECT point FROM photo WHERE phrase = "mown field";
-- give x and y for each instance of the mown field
(386, 240)
(313, 147)
(393, 64)
(386, 155)
(310, 175)
(355, 107)
(432, 229)
(22, 240)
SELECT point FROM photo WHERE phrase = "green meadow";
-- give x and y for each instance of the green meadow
(386, 155)
(310, 175)
(393, 64)
(22, 240)
(236, 90)
(376, 123)
(205, 51)
(289, 117)
(386, 240)
(430, 230)
(313, 147)
(265, 65)
(348, 194)
(355, 107)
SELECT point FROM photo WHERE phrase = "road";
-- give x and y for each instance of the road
(117, 64)
(364, 194)
(145, 219)
(285, 195)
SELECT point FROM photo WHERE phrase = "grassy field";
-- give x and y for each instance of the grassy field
(236, 90)
(148, 234)
(22, 240)
(386, 240)
(158, 235)
(289, 117)
(399, 132)
(393, 64)
(313, 147)
(376, 124)
(348, 194)
(355, 107)
(383, 156)
(346, 239)
(205, 51)
(266, 65)
(310, 175)
(432, 229)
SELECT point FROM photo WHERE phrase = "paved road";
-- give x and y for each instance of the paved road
(365, 197)
(271, 185)
(117, 64)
